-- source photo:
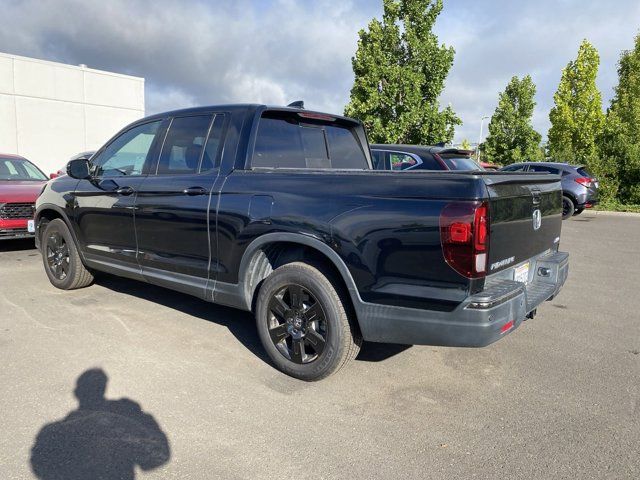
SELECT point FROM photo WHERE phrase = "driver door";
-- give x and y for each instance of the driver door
(104, 204)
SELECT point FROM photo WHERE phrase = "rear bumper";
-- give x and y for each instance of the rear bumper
(480, 320)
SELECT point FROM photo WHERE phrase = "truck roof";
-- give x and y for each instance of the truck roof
(246, 106)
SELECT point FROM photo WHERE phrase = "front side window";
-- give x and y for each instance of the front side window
(285, 140)
(127, 154)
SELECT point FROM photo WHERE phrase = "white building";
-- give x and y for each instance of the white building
(51, 111)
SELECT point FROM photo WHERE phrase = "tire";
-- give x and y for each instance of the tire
(303, 324)
(578, 211)
(567, 207)
(60, 257)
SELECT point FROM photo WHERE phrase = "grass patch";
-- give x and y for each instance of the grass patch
(615, 206)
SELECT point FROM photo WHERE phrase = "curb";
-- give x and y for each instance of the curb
(616, 214)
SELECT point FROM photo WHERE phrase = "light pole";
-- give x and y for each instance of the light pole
(480, 137)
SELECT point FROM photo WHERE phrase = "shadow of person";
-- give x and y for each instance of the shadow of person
(100, 440)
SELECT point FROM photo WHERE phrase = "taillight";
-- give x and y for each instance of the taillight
(464, 234)
(586, 181)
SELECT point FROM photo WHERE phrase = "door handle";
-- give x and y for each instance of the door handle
(192, 191)
(124, 191)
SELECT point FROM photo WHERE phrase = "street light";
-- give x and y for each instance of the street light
(480, 137)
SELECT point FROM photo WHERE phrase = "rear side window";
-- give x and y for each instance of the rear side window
(285, 140)
(183, 145)
(401, 161)
(514, 168)
(544, 169)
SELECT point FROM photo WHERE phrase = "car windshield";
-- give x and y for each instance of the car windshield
(19, 169)
(460, 163)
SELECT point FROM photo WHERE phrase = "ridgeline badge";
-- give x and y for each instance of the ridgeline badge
(537, 219)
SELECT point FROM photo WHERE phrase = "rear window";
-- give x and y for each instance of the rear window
(287, 140)
(460, 163)
(584, 172)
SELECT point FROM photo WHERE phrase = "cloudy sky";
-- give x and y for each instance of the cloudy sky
(276, 51)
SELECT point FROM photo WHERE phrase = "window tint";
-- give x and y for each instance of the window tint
(127, 154)
(401, 161)
(183, 145)
(344, 148)
(378, 159)
(283, 141)
(584, 172)
(513, 168)
(429, 162)
(543, 169)
(459, 163)
(213, 150)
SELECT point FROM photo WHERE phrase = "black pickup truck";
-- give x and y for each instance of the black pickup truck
(276, 210)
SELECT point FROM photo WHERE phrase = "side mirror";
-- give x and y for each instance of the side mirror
(78, 169)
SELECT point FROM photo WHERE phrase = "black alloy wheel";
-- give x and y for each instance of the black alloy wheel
(57, 254)
(301, 316)
(297, 325)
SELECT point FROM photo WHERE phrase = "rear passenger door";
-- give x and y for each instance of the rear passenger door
(172, 210)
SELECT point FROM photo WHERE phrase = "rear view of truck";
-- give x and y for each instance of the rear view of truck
(499, 254)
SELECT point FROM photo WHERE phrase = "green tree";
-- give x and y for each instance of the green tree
(465, 144)
(619, 165)
(400, 70)
(511, 137)
(577, 118)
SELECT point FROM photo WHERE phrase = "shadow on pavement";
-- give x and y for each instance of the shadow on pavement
(101, 439)
(378, 352)
(16, 245)
(241, 324)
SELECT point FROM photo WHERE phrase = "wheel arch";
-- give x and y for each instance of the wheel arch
(48, 212)
(272, 250)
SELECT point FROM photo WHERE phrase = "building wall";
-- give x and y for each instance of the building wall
(51, 111)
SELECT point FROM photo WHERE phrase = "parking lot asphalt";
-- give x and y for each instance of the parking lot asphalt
(557, 398)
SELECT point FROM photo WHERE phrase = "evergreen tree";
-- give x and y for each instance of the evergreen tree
(577, 118)
(620, 141)
(400, 70)
(511, 137)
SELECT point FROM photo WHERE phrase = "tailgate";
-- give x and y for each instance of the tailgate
(525, 217)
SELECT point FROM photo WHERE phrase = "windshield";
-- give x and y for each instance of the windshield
(19, 169)
(460, 163)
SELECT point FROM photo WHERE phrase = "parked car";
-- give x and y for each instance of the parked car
(80, 156)
(579, 187)
(416, 157)
(276, 210)
(20, 183)
(490, 166)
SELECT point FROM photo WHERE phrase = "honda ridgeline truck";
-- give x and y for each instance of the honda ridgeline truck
(277, 211)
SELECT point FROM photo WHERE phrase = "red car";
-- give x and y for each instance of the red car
(20, 184)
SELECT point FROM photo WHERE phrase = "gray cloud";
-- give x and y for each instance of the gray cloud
(276, 51)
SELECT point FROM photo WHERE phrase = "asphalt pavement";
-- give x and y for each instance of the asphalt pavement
(174, 387)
